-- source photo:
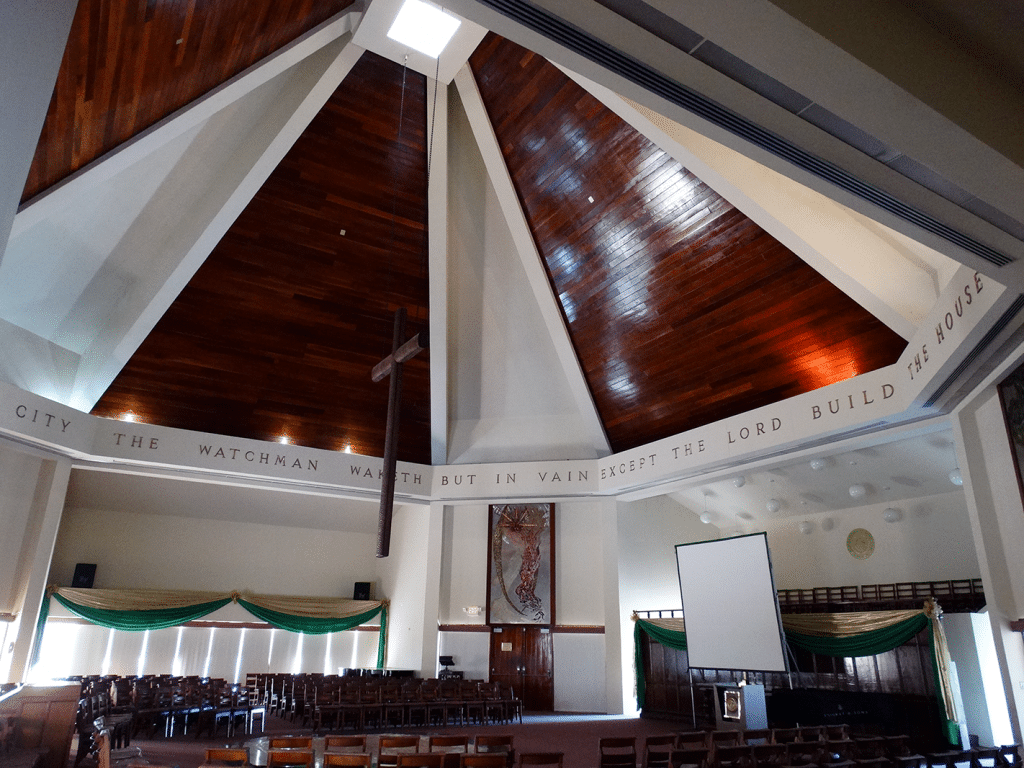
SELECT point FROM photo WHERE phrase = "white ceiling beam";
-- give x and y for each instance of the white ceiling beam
(526, 249)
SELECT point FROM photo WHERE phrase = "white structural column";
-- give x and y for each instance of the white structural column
(41, 535)
(437, 227)
(617, 645)
(997, 520)
(432, 589)
(32, 41)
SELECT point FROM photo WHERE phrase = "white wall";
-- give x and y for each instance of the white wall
(20, 473)
(932, 542)
(648, 531)
(146, 551)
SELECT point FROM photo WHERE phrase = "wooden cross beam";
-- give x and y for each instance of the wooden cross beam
(392, 365)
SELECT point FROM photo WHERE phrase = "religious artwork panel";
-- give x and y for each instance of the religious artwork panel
(1011, 395)
(521, 571)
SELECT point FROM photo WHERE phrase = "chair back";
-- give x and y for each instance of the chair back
(448, 743)
(350, 743)
(390, 747)
(541, 759)
(348, 759)
(290, 757)
(692, 739)
(617, 750)
(493, 743)
(227, 756)
(291, 742)
(493, 760)
(421, 760)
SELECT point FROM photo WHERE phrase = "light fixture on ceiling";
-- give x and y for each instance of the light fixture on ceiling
(827, 524)
(806, 526)
(283, 439)
(892, 515)
(817, 464)
(739, 481)
(423, 27)
(773, 505)
(858, 491)
(705, 516)
(955, 477)
(127, 416)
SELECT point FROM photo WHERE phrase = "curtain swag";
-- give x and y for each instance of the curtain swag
(834, 634)
(136, 610)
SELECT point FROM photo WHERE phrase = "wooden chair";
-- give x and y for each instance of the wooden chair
(421, 760)
(757, 736)
(692, 740)
(540, 759)
(344, 744)
(290, 758)
(393, 746)
(348, 759)
(732, 756)
(658, 751)
(494, 760)
(290, 742)
(493, 743)
(226, 756)
(767, 755)
(448, 744)
(617, 751)
(691, 757)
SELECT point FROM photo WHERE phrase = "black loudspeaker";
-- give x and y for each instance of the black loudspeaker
(84, 575)
(361, 591)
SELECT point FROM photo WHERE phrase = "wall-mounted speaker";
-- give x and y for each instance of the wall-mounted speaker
(362, 591)
(84, 575)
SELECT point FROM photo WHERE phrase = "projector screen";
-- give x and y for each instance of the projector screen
(730, 607)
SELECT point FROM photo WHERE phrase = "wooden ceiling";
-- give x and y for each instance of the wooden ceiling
(130, 63)
(681, 310)
(277, 332)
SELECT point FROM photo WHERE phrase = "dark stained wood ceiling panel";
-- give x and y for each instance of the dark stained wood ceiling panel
(682, 311)
(124, 68)
(277, 332)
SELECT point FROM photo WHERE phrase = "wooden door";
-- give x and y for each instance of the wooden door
(523, 657)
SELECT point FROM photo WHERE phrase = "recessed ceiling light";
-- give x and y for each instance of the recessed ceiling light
(283, 439)
(423, 27)
(129, 416)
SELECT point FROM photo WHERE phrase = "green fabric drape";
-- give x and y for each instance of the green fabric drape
(320, 626)
(667, 637)
(127, 610)
(136, 621)
(867, 643)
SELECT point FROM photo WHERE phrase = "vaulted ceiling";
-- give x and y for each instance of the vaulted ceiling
(680, 304)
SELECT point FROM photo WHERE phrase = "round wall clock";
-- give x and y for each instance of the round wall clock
(860, 543)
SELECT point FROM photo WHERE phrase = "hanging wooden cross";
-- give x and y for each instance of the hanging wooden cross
(392, 365)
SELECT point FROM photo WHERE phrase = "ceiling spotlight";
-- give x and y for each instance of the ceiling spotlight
(739, 482)
(817, 464)
(806, 527)
(705, 517)
(955, 477)
(858, 491)
(773, 505)
(283, 439)
(827, 524)
(892, 515)
(127, 416)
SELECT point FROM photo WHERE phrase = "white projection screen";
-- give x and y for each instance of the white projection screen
(730, 607)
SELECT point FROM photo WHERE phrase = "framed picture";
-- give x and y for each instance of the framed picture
(521, 564)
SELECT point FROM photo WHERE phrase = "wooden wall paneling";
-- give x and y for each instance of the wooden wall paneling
(682, 311)
(277, 332)
(129, 64)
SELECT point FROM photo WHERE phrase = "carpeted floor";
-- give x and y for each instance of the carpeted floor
(574, 735)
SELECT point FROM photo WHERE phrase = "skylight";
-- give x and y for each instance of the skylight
(423, 27)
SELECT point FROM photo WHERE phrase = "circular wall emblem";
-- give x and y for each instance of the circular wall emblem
(860, 543)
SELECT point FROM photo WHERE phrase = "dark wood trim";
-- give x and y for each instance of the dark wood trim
(564, 629)
(464, 628)
(1017, 626)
